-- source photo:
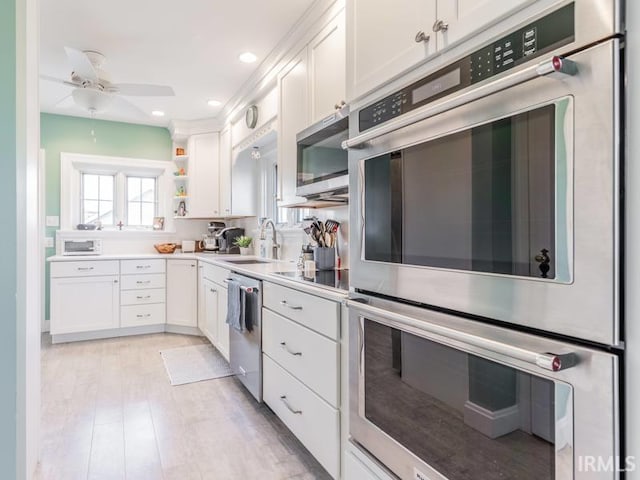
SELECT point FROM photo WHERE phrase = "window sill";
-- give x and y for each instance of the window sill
(113, 233)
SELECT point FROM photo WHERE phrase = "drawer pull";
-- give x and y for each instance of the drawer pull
(147, 315)
(140, 297)
(143, 282)
(292, 307)
(283, 398)
(143, 266)
(286, 349)
(84, 269)
(212, 290)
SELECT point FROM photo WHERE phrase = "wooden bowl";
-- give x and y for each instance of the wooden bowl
(165, 247)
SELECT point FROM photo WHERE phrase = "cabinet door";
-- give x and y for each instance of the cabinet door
(466, 17)
(381, 41)
(202, 190)
(223, 328)
(210, 321)
(84, 304)
(182, 293)
(293, 117)
(225, 172)
(327, 66)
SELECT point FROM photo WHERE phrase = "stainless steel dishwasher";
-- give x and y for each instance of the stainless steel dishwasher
(245, 346)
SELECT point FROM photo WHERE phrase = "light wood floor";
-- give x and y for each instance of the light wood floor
(109, 412)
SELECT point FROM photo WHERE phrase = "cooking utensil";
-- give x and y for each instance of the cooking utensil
(332, 226)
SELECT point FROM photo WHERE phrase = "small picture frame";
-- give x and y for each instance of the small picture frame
(158, 223)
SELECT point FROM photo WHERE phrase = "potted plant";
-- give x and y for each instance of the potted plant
(244, 243)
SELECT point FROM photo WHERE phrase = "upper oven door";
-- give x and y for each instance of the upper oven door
(439, 397)
(504, 207)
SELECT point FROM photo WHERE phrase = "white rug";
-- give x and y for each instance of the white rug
(194, 364)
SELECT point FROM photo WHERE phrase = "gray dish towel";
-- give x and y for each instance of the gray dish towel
(235, 301)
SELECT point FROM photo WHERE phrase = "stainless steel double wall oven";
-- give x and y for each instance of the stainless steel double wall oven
(486, 209)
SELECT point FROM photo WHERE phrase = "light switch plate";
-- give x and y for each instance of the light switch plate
(52, 221)
(48, 242)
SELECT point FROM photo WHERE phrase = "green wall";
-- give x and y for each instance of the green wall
(8, 242)
(60, 133)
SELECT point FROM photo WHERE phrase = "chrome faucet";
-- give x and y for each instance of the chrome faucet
(274, 239)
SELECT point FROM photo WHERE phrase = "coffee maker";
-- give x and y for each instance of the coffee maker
(209, 242)
(226, 239)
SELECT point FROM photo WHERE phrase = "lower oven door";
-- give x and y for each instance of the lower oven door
(433, 396)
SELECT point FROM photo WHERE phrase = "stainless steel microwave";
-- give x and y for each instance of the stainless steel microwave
(81, 246)
(322, 165)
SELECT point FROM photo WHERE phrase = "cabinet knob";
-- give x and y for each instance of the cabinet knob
(339, 105)
(422, 37)
(440, 26)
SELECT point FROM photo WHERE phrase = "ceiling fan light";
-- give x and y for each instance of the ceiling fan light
(92, 99)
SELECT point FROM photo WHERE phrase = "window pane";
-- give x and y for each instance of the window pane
(133, 213)
(106, 212)
(133, 189)
(90, 211)
(148, 184)
(106, 187)
(90, 186)
(148, 212)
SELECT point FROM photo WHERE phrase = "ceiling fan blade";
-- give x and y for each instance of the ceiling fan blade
(81, 64)
(142, 90)
(59, 80)
(65, 102)
(122, 105)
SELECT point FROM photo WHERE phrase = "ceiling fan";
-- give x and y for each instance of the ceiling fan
(93, 89)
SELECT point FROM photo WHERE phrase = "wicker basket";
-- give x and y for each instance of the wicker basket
(165, 247)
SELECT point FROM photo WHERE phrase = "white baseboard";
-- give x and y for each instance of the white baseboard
(493, 424)
(46, 325)
(124, 332)
(183, 330)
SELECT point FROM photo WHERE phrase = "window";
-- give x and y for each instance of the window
(115, 191)
(97, 194)
(141, 201)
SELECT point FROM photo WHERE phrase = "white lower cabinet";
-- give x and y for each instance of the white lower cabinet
(212, 306)
(84, 304)
(182, 293)
(139, 315)
(311, 419)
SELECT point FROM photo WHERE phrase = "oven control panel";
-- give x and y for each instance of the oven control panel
(520, 46)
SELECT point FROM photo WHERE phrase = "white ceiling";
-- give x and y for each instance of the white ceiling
(192, 46)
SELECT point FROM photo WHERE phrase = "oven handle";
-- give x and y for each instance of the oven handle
(548, 361)
(555, 65)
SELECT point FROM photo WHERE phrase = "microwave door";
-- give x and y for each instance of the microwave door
(437, 396)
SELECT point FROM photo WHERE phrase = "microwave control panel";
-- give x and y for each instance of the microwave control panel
(520, 46)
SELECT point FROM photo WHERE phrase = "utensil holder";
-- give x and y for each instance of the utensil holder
(325, 258)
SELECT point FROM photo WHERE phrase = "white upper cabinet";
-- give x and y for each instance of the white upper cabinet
(385, 39)
(293, 87)
(225, 172)
(327, 66)
(202, 192)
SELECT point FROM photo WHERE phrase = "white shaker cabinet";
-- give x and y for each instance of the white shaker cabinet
(293, 116)
(385, 39)
(84, 304)
(182, 293)
(223, 328)
(327, 69)
(212, 306)
(209, 321)
(202, 192)
(224, 178)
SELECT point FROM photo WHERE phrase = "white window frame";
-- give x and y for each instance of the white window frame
(72, 165)
(126, 199)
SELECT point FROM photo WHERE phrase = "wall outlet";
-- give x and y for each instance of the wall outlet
(52, 221)
(48, 242)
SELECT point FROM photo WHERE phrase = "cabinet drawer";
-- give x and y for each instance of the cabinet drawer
(314, 312)
(153, 265)
(311, 419)
(133, 297)
(214, 273)
(137, 315)
(138, 282)
(311, 358)
(84, 268)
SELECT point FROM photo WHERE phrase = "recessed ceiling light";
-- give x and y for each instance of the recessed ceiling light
(248, 57)
(157, 113)
(214, 103)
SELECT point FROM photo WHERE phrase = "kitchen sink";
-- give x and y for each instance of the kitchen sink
(247, 262)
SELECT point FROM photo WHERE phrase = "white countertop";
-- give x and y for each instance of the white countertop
(262, 271)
